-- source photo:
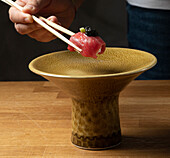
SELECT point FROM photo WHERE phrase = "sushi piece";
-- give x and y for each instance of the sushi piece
(89, 41)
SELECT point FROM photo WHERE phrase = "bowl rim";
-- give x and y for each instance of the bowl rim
(39, 72)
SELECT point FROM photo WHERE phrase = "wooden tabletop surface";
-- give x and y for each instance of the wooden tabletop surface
(35, 122)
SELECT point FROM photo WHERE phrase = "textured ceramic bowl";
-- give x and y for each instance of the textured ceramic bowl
(94, 86)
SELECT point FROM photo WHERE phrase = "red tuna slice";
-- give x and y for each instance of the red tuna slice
(91, 46)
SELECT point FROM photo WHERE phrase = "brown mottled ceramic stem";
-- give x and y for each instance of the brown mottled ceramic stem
(95, 122)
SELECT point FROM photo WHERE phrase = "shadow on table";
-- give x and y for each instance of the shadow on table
(152, 141)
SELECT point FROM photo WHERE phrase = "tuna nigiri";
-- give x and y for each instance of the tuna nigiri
(89, 41)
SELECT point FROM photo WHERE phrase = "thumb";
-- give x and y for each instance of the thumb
(34, 6)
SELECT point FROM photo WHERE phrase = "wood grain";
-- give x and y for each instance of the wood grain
(35, 121)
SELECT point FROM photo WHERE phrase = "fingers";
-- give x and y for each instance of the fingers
(54, 19)
(29, 7)
(17, 16)
(33, 6)
(42, 35)
(26, 28)
(24, 23)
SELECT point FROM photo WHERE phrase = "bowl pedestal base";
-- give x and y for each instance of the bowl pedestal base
(95, 122)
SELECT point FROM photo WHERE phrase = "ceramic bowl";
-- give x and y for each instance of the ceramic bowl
(94, 86)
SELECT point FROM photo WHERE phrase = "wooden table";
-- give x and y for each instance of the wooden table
(35, 122)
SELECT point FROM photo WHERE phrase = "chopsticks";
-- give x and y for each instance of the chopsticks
(47, 27)
(58, 27)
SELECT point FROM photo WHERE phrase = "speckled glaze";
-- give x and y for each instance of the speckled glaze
(94, 86)
(95, 122)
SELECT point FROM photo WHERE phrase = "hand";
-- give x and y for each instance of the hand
(58, 11)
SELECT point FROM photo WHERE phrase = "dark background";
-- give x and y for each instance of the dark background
(16, 51)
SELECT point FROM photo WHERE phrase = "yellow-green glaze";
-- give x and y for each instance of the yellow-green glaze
(94, 86)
